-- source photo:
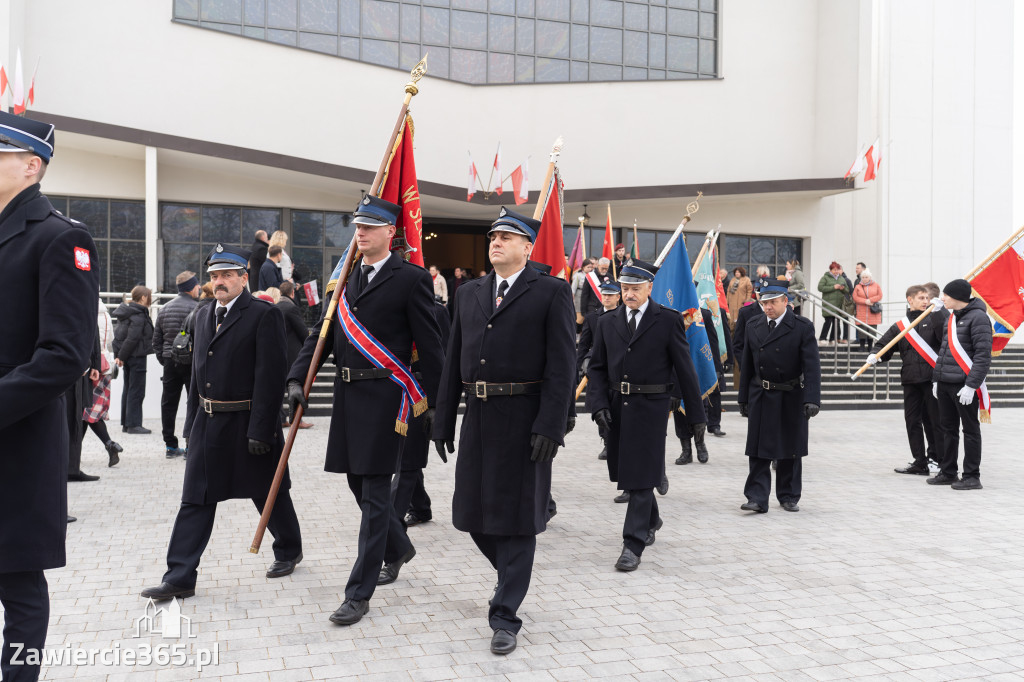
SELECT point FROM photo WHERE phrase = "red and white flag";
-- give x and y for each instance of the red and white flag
(473, 175)
(19, 87)
(312, 296)
(857, 167)
(3, 80)
(872, 159)
(521, 182)
(32, 85)
(497, 169)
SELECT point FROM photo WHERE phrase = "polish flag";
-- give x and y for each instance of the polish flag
(872, 159)
(473, 176)
(521, 182)
(497, 170)
(19, 86)
(858, 166)
(3, 80)
(32, 86)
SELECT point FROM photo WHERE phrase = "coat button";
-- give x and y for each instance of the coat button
(210, 353)
(482, 361)
(355, 309)
(490, 326)
(625, 376)
(207, 384)
(626, 404)
(629, 350)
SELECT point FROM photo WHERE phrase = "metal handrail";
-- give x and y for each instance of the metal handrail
(818, 302)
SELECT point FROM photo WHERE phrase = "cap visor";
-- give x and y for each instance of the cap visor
(224, 266)
(629, 279)
(771, 295)
(367, 220)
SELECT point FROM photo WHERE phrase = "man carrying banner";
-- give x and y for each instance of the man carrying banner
(640, 355)
(685, 431)
(959, 384)
(386, 308)
(918, 351)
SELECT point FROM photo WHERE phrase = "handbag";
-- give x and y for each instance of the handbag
(876, 307)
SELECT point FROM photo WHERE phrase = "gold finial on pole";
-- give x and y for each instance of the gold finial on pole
(693, 206)
(416, 74)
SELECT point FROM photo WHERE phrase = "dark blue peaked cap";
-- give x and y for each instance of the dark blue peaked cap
(509, 221)
(610, 288)
(375, 211)
(773, 288)
(227, 257)
(637, 272)
(20, 134)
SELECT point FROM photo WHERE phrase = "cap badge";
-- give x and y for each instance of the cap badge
(366, 201)
(502, 213)
(220, 248)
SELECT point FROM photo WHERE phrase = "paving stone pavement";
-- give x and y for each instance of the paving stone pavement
(879, 576)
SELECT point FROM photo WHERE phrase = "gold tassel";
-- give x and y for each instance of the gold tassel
(419, 408)
(985, 417)
(415, 357)
(400, 428)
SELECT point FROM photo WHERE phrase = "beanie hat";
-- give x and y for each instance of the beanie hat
(960, 289)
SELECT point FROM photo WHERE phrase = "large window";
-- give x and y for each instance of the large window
(651, 242)
(119, 230)
(488, 41)
(750, 252)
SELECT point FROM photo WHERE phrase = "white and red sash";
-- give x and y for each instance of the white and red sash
(374, 351)
(917, 341)
(965, 362)
(595, 283)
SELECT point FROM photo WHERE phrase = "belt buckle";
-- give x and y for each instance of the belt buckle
(766, 385)
(207, 406)
(624, 387)
(481, 390)
(346, 376)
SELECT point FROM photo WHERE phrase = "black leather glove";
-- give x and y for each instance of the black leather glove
(570, 424)
(440, 444)
(811, 410)
(258, 447)
(428, 421)
(673, 404)
(698, 430)
(296, 397)
(544, 448)
(744, 412)
(603, 417)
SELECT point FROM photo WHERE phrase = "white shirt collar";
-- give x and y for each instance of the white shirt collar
(778, 320)
(376, 266)
(228, 306)
(639, 311)
(498, 279)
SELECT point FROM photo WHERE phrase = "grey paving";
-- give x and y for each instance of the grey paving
(879, 576)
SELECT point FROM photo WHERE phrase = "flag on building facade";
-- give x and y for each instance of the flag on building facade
(521, 182)
(1000, 284)
(3, 80)
(707, 293)
(32, 86)
(872, 160)
(18, 91)
(549, 247)
(497, 170)
(473, 176)
(400, 187)
(673, 287)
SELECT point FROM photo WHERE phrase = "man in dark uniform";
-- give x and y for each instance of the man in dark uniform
(232, 424)
(684, 431)
(392, 301)
(713, 403)
(780, 390)
(640, 357)
(511, 353)
(611, 295)
(46, 348)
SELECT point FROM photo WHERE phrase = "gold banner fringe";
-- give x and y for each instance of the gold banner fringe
(419, 408)
(985, 416)
(400, 428)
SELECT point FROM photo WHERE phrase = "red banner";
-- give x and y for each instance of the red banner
(1001, 285)
(550, 247)
(400, 188)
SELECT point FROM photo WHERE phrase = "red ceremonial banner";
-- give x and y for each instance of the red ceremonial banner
(1001, 285)
(400, 187)
(550, 247)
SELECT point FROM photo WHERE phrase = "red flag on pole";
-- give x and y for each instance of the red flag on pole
(576, 256)
(608, 248)
(400, 187)
(19, 87)
(3, 80)
(550, 247)
(1000, 284)
(872, 159)
(473, 175)
(497, 169)
(32, 86)
(521, 182)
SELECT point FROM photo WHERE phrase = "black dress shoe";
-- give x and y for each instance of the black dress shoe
(627, 561)
(112, 451)
(702, 453)
(754, 507)
(663, 486)
(604, 453)
(137, 430)
(789, 505)
(968, 483)
(716, 431)
(913, 469)
(623, 497)
(414, 519)
(685, 458)
(351, 611)
(389, 573)
(72, 519)
(650, 533)
(280, 569)
(503, 642)
(82, 477)
(942, 479)
(167, 591)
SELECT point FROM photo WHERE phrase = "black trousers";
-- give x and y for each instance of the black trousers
(512, 557)
(175, 378)
(382, 537)
(76, 427)
(788, 480)
(921, 412)
(829, 328)
(953, 416)
(26, 603)
(419, 503)
(641, 516)
(411, 496)
(713, 405)
(194, 524)
(134, 370)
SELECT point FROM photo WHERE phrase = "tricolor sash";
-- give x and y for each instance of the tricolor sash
(374, 351)
(965, 362)
(917, 341)
(594, 283)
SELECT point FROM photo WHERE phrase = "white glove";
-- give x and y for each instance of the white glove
(966, 395)
(937, 302)
(872, 359)
(935, 390)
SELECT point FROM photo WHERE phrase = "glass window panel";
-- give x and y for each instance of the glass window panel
(225, 28)
(178, 258)
(502, 33)
(180, 223)
(253, 219)
(656, 75)
(469, 66)
(469, 29)
(707, 25)
(680, 75)
(102, 252)
(647, 242)
(410, 55)
(319, 42)
(682, 53)
(282, 14)
(788, 249)
(605, 72)
(580, 42)
(524, 8)
(709, 5)
(606, 12)
(380, 52)
(581, 11)
(707, 57)
(227, 11)
(380, 20)
(503, 6)
(685, 4)
(311, 264)
(524, 36)
(475, 5)
(553, 9)
(92, 212)
(606, 45)
(656, 50)
(222, 224)
(318, 15)
(349, 47)
(569, 237)
(436, 3)
(435, 26)
(127, 265)
(657, 19)
(308, 228)
(501, 68)
(634, 73)
(411, 23)
(189, 22)
(256, 12)
(524, 69)
(736, 249)
(59, 203)
(348, 19)
(282, 37)
(636, 16)
(186, 9)
(762, 251)
(682, 22)
(552, 41)
(254, 32)
(694, 243)
(580, 71)
(635, 48)
(339, 229)
(552, 70)
(438, 60)
(127, 220)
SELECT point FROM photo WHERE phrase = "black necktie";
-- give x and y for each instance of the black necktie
(771, 326)
(632, 321)
(364, 277)
(502, 288)
(221, 312)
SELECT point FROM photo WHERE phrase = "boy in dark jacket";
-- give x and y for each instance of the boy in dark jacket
(959, 383)
(133, 341)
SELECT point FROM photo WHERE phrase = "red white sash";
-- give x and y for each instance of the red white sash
(374, 351)
(965, 362)
(918, 342)
(595, 283)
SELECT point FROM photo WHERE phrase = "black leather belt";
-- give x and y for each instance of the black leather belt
(781, 386)
(348, 375)
(211, 406)
(483, 389)
(626, 388)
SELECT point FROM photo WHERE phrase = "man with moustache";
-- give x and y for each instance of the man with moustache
(511, 354)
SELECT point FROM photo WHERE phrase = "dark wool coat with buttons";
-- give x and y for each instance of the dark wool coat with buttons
(530, 337)
(417, 444)
(656, 354)
(397, 308)
(51, 324)
(777, 427)
(245, 360)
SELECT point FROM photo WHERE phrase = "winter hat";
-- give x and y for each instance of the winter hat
(960, 289)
